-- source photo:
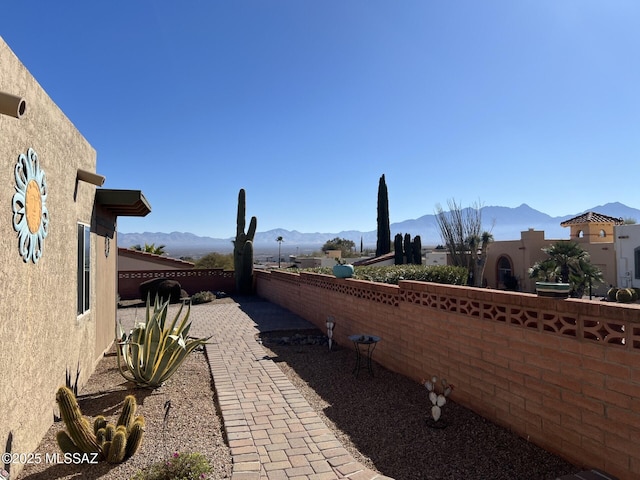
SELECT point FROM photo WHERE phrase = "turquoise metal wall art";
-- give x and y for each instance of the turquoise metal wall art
(30, 214)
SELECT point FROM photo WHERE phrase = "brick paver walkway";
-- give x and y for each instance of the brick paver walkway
(273, 432)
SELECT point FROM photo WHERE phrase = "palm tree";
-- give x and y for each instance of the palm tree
(279, 240)
(159, 250)
(567, 263)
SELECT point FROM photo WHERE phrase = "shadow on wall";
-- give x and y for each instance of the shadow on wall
(4, 474)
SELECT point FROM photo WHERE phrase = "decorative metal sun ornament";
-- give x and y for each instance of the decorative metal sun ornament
(30, 214)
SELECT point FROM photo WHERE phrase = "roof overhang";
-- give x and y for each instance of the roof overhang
(123, 203)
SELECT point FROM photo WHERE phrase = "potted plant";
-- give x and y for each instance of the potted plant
(342, 269)
(553, 289)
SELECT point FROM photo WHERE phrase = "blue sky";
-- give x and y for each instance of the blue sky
(305, 104)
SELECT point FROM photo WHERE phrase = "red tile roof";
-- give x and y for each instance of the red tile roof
(592, 217)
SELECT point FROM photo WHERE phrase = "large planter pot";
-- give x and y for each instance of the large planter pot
(343, 271)
(552, 289)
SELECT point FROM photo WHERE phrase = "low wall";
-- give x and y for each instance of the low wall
(564, 374)
(191, 280)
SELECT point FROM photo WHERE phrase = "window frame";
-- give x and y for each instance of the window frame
(83, 267)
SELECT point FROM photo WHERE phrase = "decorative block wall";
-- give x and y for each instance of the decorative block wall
(564, 374)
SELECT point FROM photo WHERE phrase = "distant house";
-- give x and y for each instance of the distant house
(627, 247)
(130, 259)
(509, 261)
(136, 267)
(58, 238)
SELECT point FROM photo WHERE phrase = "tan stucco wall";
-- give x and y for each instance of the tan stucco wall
(525, 252)
(40, 334)
(592, 232)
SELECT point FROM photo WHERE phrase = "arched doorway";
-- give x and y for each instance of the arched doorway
(504, 274)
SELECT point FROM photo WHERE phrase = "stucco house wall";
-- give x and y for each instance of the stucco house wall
(523, 253)
(627, 247)
(41, 334)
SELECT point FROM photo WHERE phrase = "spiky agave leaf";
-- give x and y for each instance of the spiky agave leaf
(153, 351)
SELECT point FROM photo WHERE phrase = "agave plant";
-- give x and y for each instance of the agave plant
(153, 350)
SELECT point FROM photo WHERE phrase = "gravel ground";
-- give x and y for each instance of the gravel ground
(192, 423)
(381, 420)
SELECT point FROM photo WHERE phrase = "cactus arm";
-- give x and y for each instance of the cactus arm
(128, 411)
(240, 221)
(98, 423)
(135, 437)
(79, 429)
(253, 224)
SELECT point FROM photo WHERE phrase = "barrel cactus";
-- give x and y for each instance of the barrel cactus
(624, 295)
(113, 443)
(611, 294)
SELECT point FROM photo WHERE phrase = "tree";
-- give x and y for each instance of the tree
(383, 245)
(568, 263)
(279, 240)
(342, 244)
(216, 260)
(463, 236)
(159, 250)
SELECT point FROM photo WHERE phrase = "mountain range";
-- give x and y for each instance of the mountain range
(505, 223)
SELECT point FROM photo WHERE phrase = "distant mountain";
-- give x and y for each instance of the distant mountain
(505, 223)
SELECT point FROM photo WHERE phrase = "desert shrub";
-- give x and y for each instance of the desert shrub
(202, 297)
(392, 274)
(182, 466)
(624, 295)
(611, 294)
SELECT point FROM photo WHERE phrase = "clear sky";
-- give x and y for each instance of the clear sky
(305, 104)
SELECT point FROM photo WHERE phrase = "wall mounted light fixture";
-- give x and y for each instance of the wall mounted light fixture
(12, 105)
(90, 177)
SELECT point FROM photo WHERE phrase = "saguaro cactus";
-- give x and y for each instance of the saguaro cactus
(243, 248)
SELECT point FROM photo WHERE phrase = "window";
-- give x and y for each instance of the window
(602, 234)
(636, 258)
(84, 267)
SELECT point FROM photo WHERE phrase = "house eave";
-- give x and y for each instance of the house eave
(124, 203)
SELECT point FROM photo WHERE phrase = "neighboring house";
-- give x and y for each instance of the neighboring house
(381, 261)
(130, 259)
(627, 247)
(511, 259)
(136, 267)
(58, 275)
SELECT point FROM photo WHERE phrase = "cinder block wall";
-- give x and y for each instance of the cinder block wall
(192, 281)
(564, 374)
